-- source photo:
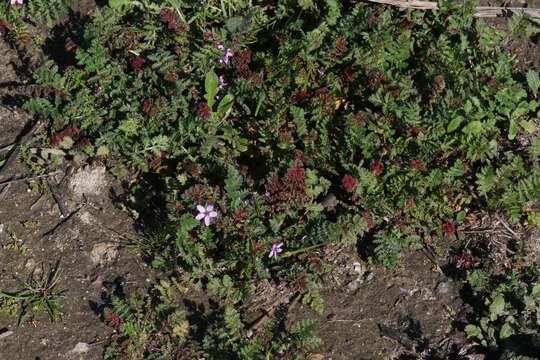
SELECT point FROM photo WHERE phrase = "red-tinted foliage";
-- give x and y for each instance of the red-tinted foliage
(349, 183)
(69, 130)
(204, 110)
(377, 167)
(136, 63)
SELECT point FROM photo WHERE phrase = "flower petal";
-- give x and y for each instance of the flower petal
(212, 214)
(207, 220)
(209, 208)
(200, 216)
(201, 208)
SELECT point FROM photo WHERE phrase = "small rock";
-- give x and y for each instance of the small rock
(86, 218)
(329, 201)
(444, 287)
(354, 285)
(104, 253)
(5, 334)
(88, 181)
(80, 348)
(359, 268)
(98, 281)
(370, 276)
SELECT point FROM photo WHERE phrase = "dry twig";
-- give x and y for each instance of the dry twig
(480, 11)
(23, 138)
(28, 178)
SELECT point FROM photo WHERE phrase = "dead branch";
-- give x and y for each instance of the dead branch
(28, 178)
(480, 11)
(22, 139)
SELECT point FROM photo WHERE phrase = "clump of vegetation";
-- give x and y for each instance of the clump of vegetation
(509, 315)
(18, 16)
(240, 120)
(36, 296)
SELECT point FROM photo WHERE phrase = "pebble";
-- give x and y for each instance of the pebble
(80, 348)
(444, 287)
(5, 334)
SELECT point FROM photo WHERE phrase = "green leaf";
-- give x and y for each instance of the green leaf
(102, 151)
(533, 80)
(512, 130)
(299, 120)
(485, 180)
(496, 307)
(225, 105)
(535, 293)
(473, 128)
(528, 126)
(211, 87)
(233, 186)
(473, 331)
(506, 331)
(454, 124)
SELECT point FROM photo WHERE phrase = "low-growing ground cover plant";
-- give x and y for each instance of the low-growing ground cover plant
(258, 133)
(509, 318)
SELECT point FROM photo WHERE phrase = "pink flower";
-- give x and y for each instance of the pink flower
(16, 2)
(222, 82)
(227, 54)
(206, 214)
(276, 249)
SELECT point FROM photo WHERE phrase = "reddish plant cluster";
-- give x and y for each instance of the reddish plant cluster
(369, 220)
(417, 164)
(411, 203)
(241, 62)
(491, 81)
(83, 142)
(448, 229)
(173, 21)
(136, 63)
(203, 110)
(377, 167)
(300, 96)
(156, 161)
(38, 90)
(147, 106)
(340, 50)
(325, 99)
(349, 183)
(375, 79)
(296, 174)
(69, 130)
(348, 75)
(280, 193)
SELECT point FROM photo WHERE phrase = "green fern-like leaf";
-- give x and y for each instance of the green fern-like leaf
(302, 334)
(47, 12)
(386, 250)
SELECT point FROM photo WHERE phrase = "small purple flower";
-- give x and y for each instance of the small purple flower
(16, 2)
(206, 214)
(227, 54)
(221, 83)
(276, 249)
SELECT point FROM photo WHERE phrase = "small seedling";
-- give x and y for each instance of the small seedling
(37, 296)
